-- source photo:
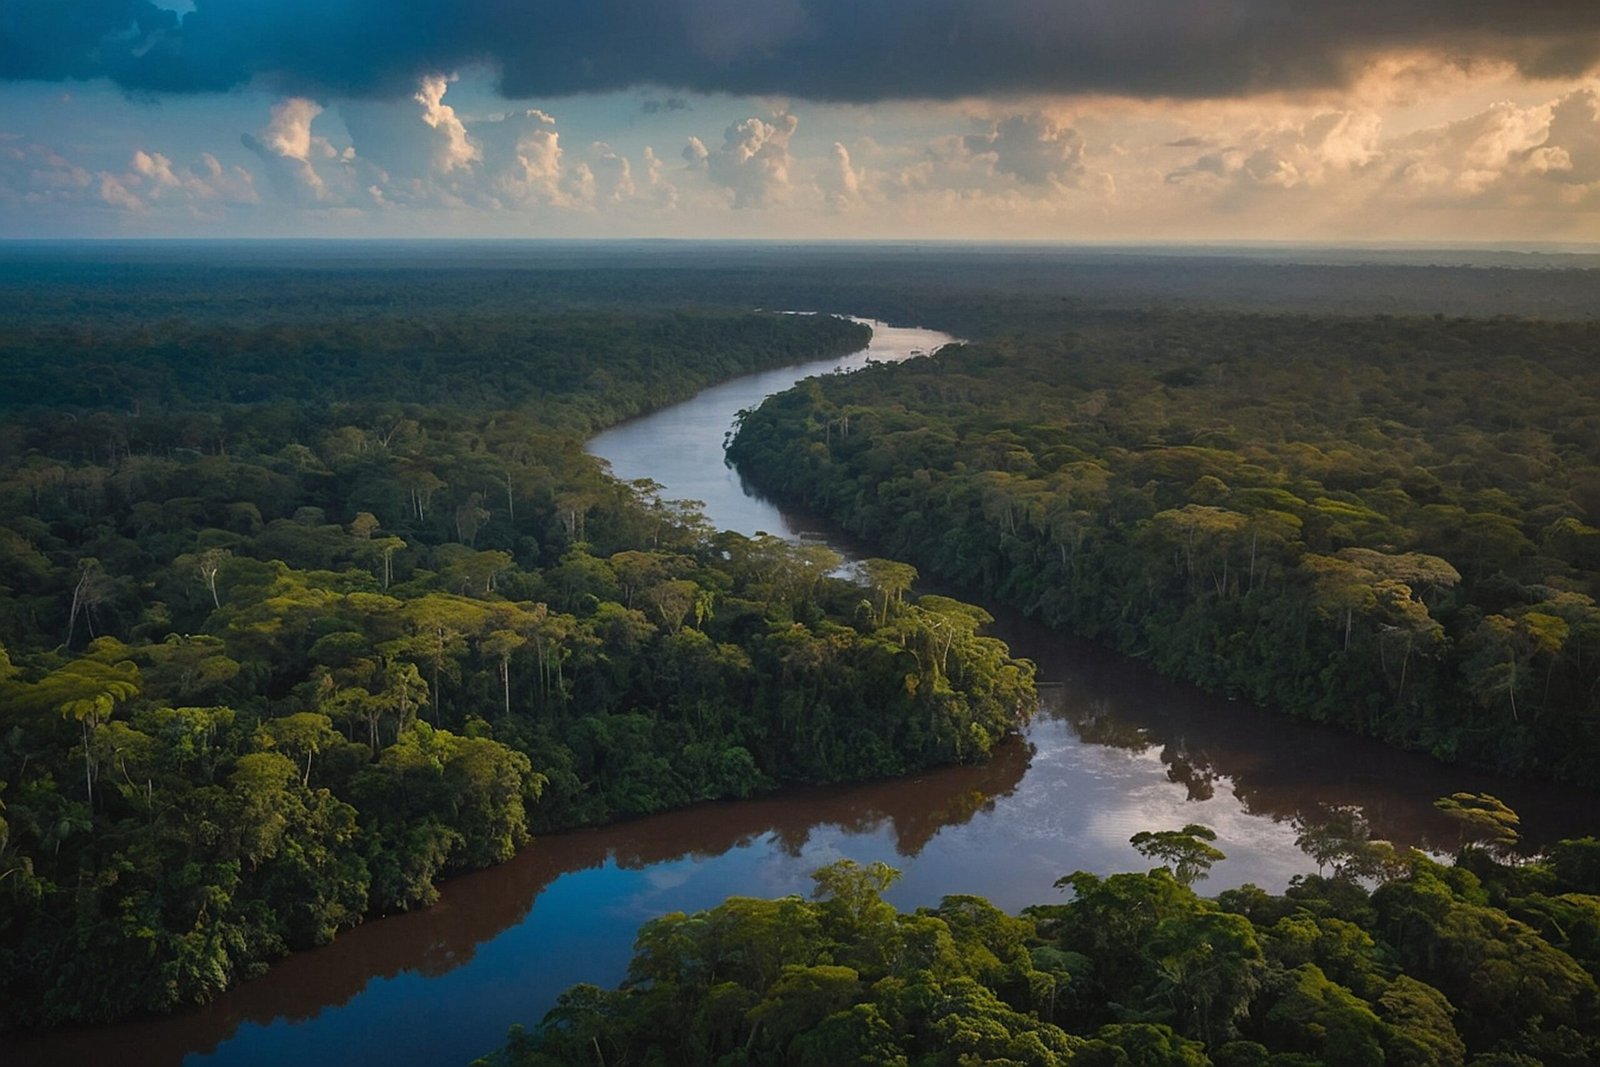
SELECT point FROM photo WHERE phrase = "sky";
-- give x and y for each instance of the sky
(1412, 121)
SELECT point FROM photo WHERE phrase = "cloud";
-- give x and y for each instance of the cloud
(289, 132)
(526, 165)
(1575, 135)
(1538, 164)
(114, 193)
(205, 180)
(286, 147)
(815, 49)
(56, 39)
(1030, 148)
(456, 150)
(537, 173)
(841, 183)
(613, 173)
(1449, 164)
(653, 106)
(511, 161)
(38, 178)
(752, 162)
(34, 175)
(1546, 156)
(156, 167)
(1287, 155)
(658, 188)
(231, 184)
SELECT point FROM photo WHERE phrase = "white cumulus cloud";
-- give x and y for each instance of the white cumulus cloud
(1031, 148)
(289, 131)
(206, 180)
(840, 182)
(753, 160)
(455, 150)
(288, 148)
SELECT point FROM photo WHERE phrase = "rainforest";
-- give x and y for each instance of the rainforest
(242, 711)
(312, 598)
(1381, 523)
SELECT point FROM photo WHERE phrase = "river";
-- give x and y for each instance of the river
(1114, 750)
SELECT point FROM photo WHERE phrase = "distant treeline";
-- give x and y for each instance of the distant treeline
(295, 620)
(976, 291)
(1387, 524)
(573, 371)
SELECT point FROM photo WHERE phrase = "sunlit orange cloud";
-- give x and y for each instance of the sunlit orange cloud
(1420, 146)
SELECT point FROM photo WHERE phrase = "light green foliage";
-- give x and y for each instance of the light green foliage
(890, 581)
(300, 736)
(1318, 1017)
(1420, 1029)
(801, 998)
(1483, 819)
(1497, 971)
(1141, 1045)
(1341, 838)
(763, 982)
(1158, 949)
(1189, 853)
(855, 890)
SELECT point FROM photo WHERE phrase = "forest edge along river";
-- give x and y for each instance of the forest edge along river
(1113, 750)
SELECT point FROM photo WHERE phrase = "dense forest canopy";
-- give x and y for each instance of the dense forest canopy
(298, 617)
(1478, 962)
(976, 291)
(1388, 524)
(309, 596)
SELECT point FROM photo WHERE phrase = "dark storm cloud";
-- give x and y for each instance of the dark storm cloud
(851, 50)
(55, 39)
(652, 106)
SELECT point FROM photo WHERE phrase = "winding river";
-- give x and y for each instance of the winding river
(1114, 750)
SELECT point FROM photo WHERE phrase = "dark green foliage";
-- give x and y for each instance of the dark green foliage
(1389, 525)
(1134, 970)
(1189, 850)
(296, 620)
(1577, 863)
(1497, 970)
(764, 982)
(603, 365)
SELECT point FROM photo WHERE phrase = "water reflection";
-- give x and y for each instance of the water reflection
(1277, 768)
(476, 909)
